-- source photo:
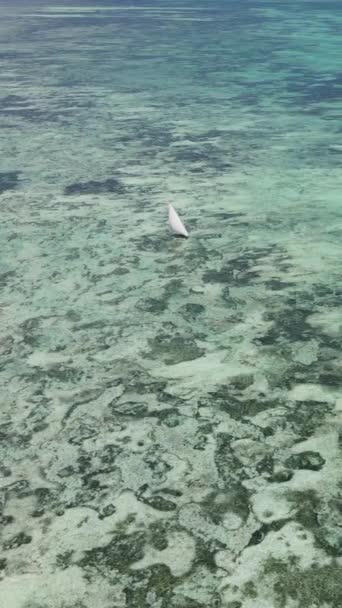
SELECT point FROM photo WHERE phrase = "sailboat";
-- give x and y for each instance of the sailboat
(176, 223)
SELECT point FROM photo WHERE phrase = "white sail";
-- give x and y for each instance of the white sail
(176, 223)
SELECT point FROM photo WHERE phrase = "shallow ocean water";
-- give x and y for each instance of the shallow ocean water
(171, 410)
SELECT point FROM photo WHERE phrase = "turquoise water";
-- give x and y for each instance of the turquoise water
(171, 410)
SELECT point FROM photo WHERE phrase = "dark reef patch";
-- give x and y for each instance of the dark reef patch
(305, 417)
(314, 586)
(191, 310)
(311, 461)
(11, 100)
(231, 400)
(281, 476)
(224, 216)
(5, 278)
(153, 305)
(211, 156)
(228, 466)
(243, 269)
(323, 517)
(111, 185)
(151, 136)
(19, 539)
(174, 349)
(277, 284)
(130, 409)
(137, 381)
(159, 503)
(313, 90)
(155, 581)
(122, 551)
(205, 136)
(288, 324)
(158, 243)
(9, 180)
(225, 275)
(258, 535)
(235, 499)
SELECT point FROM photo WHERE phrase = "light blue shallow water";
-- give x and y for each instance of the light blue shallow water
(171, 410)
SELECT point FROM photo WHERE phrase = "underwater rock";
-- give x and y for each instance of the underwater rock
(9, 181)
(19, 539)
(153, 305)
(107, 511)
(281, 476)
(329, 520)
(159, 502)
(129, 408)
(311, 461)
(192, 310)
(277, 284)
(174, 350)
(6, 277)
(95, 187)
(122, 551)
(232, 401)
(6, 345)
(6, 520)
(225, 275)
(242, 381)
(259, 534)
(290, 324)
